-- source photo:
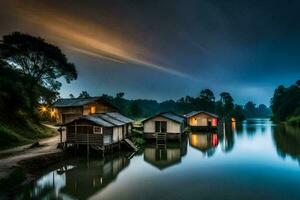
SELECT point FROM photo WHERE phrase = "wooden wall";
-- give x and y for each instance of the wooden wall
(172, 127)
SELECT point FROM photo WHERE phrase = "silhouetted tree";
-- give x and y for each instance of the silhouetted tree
(285, 102)
(42, 62)
(84, 94)
(135, 109)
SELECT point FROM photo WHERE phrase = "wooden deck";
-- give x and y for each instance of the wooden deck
(163, 136)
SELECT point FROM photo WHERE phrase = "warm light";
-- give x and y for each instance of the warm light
(93, 109)
(214, 122)
(233, 119)
(43, 109)
(215, 140)
(52, 113)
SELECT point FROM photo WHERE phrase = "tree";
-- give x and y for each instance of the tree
(32, 56)
(120, 95)
(71, 96)
(227, 103)
(285, 102)
(238, 113)
(84, 94)
(250, 109)
(135, 109)
(13, 97)
(207, 95)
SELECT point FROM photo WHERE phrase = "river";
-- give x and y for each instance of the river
(252, 160)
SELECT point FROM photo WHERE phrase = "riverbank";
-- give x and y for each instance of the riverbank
(23, 164)
(18, 132)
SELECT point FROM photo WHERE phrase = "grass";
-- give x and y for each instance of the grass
(294, 121)
(137, 137)
(21, 132)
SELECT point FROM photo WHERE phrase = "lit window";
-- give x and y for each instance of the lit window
(97, 130)
(93, 109)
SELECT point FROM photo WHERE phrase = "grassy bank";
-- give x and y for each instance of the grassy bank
(294, 121)
(20, 132)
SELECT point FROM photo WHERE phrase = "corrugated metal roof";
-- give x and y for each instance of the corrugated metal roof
(169, 115)
(107, 119)
(174, 117)
(120, 117)
(198, 112)
(74, 102)
(98, 121)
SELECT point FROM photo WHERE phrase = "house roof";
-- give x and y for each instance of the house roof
(169, 115)
(76, 102)
(110, 119)
(193, 113)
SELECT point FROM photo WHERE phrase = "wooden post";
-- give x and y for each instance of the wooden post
(76, 136)
(87, 139)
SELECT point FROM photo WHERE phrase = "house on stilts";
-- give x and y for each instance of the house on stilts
(101, 131)
(202, 121)
(93, 122)
(166, 125)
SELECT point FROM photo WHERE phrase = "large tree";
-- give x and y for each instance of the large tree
(32, 56)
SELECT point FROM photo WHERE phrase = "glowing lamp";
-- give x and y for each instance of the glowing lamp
(214, 122)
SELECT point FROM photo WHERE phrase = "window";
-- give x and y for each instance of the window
(160, 126)
(93, 109)
(163, 127)
(97, 130)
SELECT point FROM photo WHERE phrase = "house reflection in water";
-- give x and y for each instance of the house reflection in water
(93, 176)
(205, 142)
(165, 156)
(77, 179)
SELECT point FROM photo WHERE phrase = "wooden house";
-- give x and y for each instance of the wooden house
(66, 110)
(100, 130)
(168, 124)
(202, 120)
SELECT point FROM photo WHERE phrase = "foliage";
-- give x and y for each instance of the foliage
(39, 62)
(83, 94)
(252, 111)
(23, 132)
(141, 108)
(286, 102)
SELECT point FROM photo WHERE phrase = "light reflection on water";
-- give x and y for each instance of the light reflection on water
(252, 160)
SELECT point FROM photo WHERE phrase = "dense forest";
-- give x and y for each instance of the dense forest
(224, 106)
(285, 104)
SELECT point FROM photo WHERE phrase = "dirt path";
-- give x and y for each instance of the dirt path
(10, 158)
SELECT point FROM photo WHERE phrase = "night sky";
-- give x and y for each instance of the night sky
(168, 49)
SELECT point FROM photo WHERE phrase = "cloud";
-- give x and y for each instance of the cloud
(89, 38)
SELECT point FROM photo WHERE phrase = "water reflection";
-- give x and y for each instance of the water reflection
(287, 140)
(71, 179)
(246, 153)
(205, 142)
(165, 155)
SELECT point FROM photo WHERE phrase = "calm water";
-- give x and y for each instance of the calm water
(254, 160)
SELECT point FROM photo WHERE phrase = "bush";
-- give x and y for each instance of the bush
(294, 121)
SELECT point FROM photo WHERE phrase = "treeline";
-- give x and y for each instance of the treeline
(224, 106)
(29, 70)
(285, 104)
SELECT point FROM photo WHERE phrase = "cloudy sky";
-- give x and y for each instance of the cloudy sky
(161, 49)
